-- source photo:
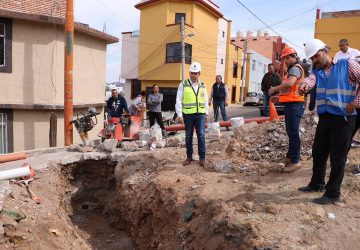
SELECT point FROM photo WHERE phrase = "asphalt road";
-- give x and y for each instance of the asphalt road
(237, 110)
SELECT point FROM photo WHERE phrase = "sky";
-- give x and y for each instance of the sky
(293, 20)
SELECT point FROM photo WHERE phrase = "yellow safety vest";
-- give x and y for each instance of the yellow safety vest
(193, 103)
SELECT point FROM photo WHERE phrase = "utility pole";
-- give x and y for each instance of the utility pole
(243, 72)
(68, 77)
(182, 49)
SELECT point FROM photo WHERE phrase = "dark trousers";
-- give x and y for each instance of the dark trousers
(195, 121)
(332, 137)
(158, 117)
(293, 114)
(357, 126)
(266, 103)
(220, 105)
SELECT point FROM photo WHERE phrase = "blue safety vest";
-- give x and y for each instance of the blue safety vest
(334, 92)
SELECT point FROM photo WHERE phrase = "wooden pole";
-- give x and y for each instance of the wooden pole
(68, 79)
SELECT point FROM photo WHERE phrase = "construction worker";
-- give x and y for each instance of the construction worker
(355, 105)
(219, 95)
(335, 92)
(294, 106)
(192, 110)
(116, 104)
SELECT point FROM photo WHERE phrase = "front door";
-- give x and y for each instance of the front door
(233, 94)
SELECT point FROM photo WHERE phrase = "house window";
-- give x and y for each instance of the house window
(173, 53)
(222, 61)
(223, 34)
(235, 70)
(5, 45)
(253, 65)
(178, 17)
(3, 134)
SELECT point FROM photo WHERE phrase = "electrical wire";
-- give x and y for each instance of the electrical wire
(269, 27)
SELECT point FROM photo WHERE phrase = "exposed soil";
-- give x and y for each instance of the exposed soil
(150, 201)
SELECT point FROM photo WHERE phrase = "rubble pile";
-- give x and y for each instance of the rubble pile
(266, 142)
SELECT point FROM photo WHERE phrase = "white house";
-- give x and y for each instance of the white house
(258, 67)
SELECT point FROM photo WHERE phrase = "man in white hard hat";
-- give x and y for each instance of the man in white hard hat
(336, 84)
(192, 109)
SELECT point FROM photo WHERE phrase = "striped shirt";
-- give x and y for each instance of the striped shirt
(354, 77)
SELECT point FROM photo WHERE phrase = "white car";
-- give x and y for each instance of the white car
(252, 98)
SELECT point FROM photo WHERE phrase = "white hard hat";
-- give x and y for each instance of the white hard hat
(195, 67)
(313, 46)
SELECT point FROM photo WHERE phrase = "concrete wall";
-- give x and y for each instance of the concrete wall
(331, 30)
(234, 56)
(129, 56)
(256, 74)
(221, 47)
(38, 66)
(31, 128)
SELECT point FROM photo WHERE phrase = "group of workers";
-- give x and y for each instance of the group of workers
(337, 96)
(338, 106)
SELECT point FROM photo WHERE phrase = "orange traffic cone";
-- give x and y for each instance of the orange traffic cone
(273, 113)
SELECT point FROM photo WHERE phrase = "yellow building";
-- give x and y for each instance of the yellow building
(333, 26)
(159, 47)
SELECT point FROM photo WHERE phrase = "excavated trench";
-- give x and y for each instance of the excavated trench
(123, 206)
(93, 186)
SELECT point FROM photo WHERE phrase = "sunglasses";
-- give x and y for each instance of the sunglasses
(193, 73)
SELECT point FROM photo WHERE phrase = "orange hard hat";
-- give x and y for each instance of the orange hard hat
(288, 51)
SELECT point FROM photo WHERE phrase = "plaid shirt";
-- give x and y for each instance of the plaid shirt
(354, 78)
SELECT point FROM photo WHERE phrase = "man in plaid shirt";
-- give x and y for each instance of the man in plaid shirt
(336, 86)
(356, 103)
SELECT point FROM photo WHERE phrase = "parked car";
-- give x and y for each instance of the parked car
(252, 98)
(279, 107)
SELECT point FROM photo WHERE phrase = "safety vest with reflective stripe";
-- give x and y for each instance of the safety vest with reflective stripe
(334, 92)
(193, 103)
(292, 94)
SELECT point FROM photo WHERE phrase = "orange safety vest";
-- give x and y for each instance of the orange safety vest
(292, 94)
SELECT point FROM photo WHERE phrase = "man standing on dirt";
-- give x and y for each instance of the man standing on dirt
(270, 79)
(192, 110)
(336, 84)
(219, 95)
(294, 106)
(346, 52)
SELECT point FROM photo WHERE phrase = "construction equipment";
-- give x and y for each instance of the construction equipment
(121, 128)
(85, 123)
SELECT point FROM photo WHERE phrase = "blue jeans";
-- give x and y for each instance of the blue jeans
(293, 114)
(220, 105)
(195, 121)
(266, 103)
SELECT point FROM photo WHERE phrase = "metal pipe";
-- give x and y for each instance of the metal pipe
(258, 120)
(68, 78)
(12, 157)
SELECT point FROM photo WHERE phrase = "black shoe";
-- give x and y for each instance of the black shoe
(324, 200)
(308, 189)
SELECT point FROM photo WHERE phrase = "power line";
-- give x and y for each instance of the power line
(269, 27)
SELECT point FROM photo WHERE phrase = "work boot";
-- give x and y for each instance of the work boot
(286, 161)
(291, 167)
(163, 132)
(202, 163)
(309, 189)
(187, 162)
(324, 200)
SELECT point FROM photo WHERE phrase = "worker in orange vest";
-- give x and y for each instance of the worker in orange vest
(294, 106)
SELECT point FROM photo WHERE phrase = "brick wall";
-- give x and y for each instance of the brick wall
(55, 8)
